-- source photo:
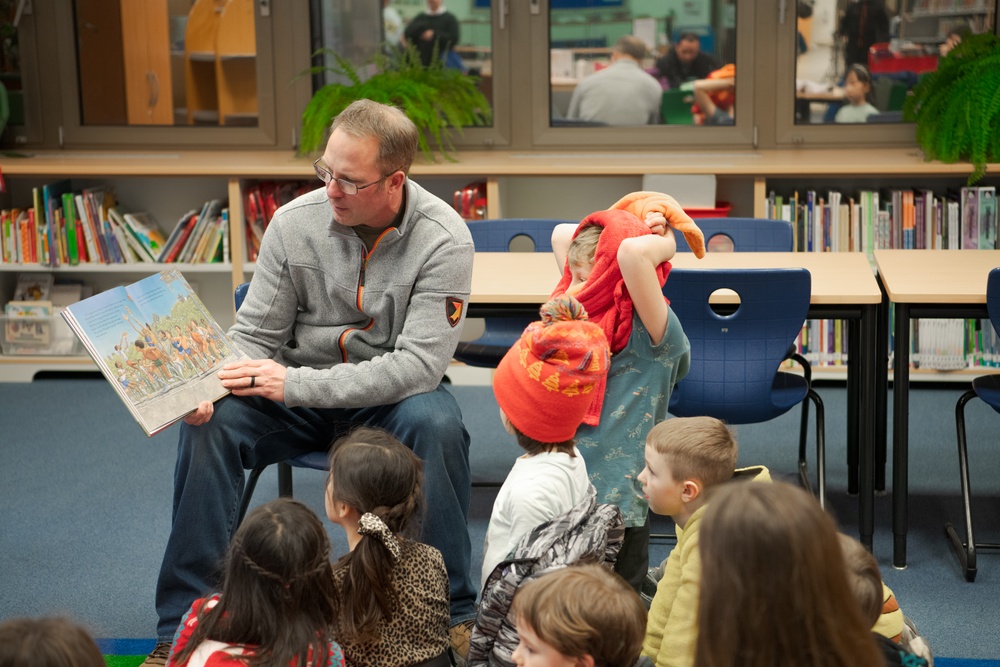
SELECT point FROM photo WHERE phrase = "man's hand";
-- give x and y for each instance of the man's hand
(427, 35)
(260, 377)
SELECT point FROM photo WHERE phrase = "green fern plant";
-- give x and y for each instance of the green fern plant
(957, 107)
(439, 100)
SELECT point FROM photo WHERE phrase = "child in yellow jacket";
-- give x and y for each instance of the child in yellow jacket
(685, 457)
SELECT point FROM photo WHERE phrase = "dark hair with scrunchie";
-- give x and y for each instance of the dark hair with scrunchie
(277, 589)
(373, 473)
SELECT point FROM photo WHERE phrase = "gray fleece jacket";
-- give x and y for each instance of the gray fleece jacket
(357, 328)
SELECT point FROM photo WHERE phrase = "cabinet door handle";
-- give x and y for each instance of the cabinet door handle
(154, 89)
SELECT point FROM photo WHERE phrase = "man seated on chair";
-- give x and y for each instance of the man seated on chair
(352, 317)
(620, 94)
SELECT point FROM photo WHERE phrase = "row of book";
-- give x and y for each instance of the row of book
(260, 201)
(895, 218)
(63, 227)
(905, 219)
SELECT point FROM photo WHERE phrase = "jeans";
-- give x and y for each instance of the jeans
(245, 433)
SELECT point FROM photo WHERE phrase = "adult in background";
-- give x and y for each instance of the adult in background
(352, 317)
(434, 31)
(620, 94)
(865, 22)
(685, 61)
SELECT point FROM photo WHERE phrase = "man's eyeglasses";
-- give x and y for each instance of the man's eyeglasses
(347, 187)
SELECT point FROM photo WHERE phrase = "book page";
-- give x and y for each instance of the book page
(157, 344)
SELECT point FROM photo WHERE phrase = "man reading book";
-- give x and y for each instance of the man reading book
(352, 317)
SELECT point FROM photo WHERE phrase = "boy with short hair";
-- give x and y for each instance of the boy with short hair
(685, 458)
(616, 263)
(582, 615)
(544, 385)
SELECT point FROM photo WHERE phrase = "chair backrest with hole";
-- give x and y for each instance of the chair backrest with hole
(736, 355)
(742, 235)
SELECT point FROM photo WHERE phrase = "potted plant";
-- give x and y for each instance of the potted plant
(957, 107)
(438, 99)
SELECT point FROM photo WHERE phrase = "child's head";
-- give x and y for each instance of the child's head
(773, 584)
(547, 380)
(685, 456)
(373, 472)
(277, 585)
(582, 615)
(858, 84)
(863, 577)
(47, 642)
(580, 256)
(374, 488)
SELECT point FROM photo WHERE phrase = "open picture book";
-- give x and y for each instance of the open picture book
(157, 345)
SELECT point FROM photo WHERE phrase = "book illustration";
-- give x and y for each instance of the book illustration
(158, 346)
(27, 323)
(33, 286)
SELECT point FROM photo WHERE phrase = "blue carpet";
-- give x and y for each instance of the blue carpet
(85, 507)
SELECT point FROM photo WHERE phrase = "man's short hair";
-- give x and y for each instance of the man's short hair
(395, 133)
(584, 610)
(700, 448)
(689, 37)
(631, 46)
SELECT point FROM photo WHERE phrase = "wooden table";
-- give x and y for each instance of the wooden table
(843, 287)
(923, 284)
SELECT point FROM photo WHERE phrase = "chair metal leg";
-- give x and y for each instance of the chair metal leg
(820, 448)
(965, 551)
(248, 488)
(284, 480)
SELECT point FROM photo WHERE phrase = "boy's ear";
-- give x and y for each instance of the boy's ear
(585, 660)
(691, 490)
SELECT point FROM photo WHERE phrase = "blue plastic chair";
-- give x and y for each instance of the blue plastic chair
(502, 332)
(314, 460)
(987, 388)
(736, 356)
(746, 234)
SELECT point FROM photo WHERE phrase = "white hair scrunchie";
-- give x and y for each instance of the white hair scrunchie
(374, 526)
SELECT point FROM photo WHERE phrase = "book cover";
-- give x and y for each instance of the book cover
(27, 323)
(145, 228)
(987, 217)
(970, 219)
(52, 194)
(158, 346)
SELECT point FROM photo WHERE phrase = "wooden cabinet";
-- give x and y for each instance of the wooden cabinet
(556, 184)
(220, 66)
(146, 51)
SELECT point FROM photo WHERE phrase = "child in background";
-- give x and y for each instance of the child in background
(47, 642)
(616, 265)
(276, 601)
(544, 385)
(391, 593)
(581, 616)
(774, 587)
(896, 637)
(858, 91)
(686, 457)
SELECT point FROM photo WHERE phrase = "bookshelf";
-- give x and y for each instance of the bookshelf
(560, 184)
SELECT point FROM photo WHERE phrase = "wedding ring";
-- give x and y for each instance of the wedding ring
(253, 381)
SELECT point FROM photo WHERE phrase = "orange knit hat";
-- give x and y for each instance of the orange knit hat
(546, 381)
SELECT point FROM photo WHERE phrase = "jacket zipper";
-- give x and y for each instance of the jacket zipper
(365, 256)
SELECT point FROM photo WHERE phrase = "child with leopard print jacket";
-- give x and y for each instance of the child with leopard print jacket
(391, 606)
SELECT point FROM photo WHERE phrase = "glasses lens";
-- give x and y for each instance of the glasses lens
(321, 172)
(347, 187)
